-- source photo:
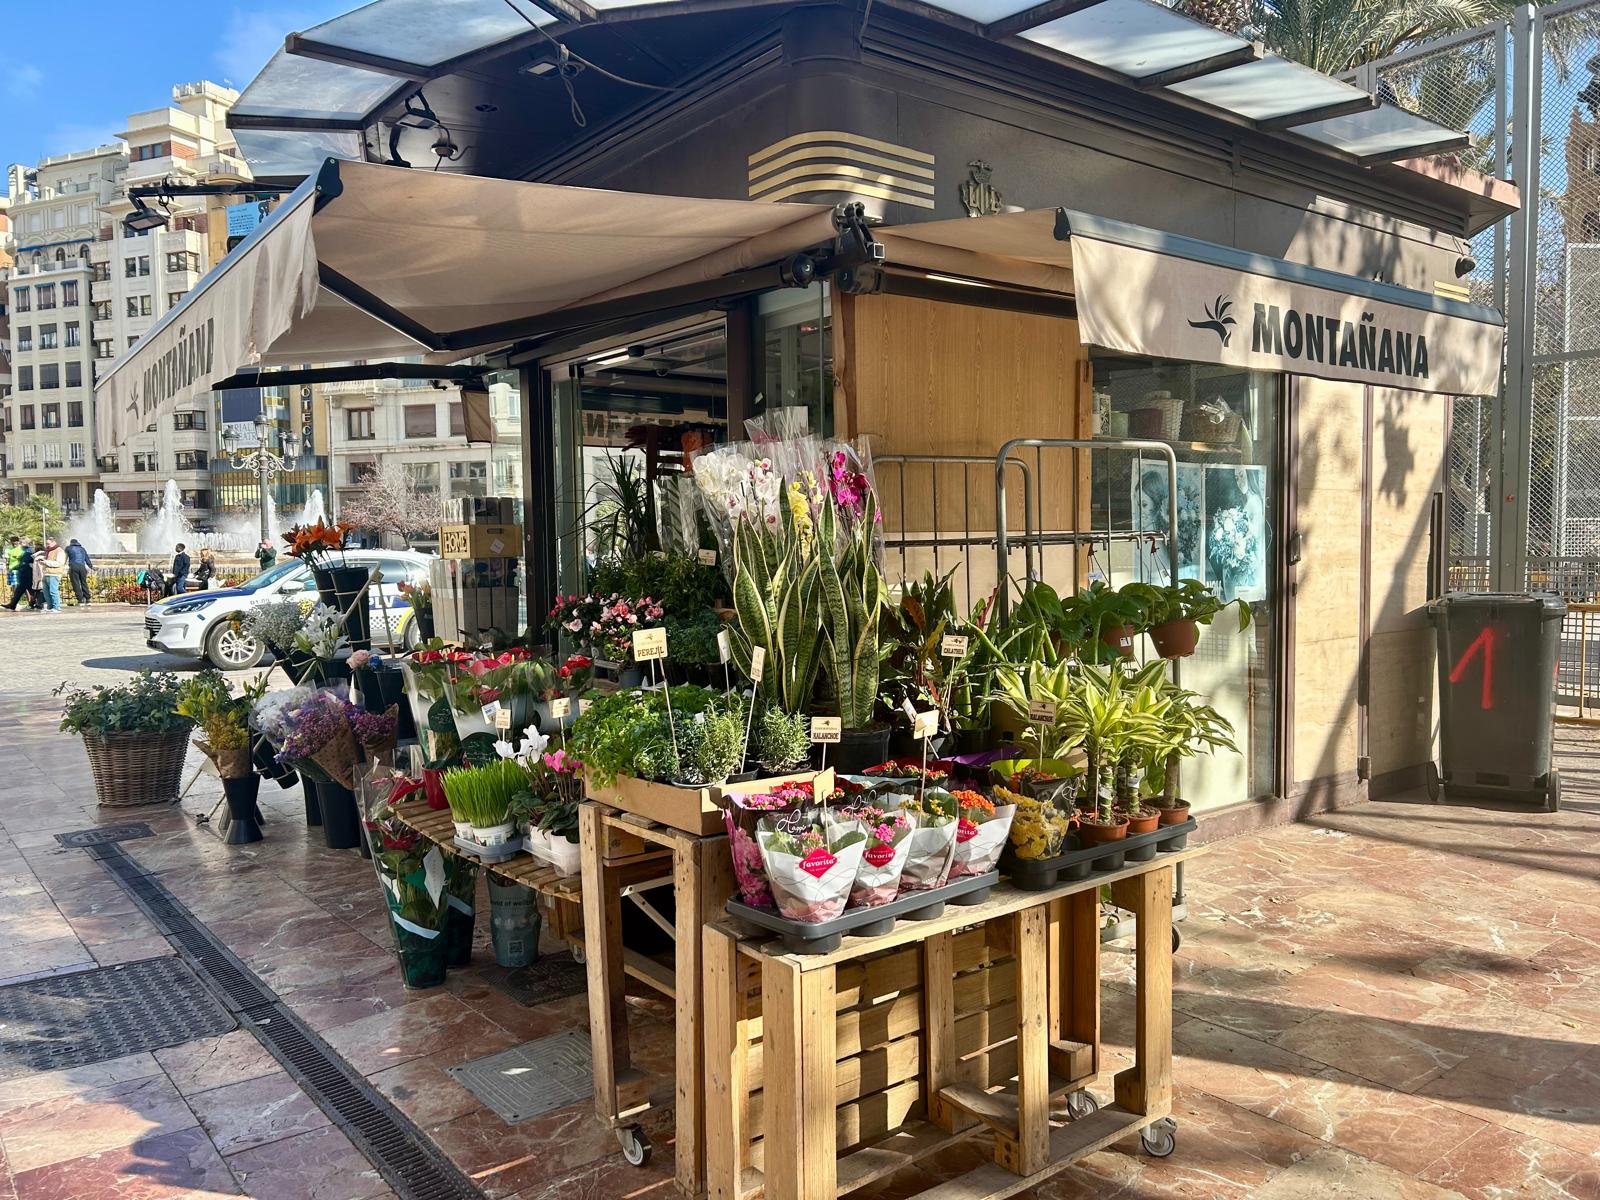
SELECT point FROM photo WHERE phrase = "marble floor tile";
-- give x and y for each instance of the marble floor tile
(1496, 1164)
(109, 1118)
(172, 1166)
(266, 1109)
(320, 1165)
(214, 1062)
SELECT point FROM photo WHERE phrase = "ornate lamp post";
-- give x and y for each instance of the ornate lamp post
(263, 460)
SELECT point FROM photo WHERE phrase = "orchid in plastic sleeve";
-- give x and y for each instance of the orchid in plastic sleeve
(811, 869)
(981, 828)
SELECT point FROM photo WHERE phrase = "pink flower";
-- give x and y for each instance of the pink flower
(884, 833)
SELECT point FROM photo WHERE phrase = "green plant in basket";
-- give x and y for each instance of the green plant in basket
(148, 703)
(482, 796)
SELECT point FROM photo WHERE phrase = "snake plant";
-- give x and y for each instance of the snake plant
(777, 598)
(854, 596)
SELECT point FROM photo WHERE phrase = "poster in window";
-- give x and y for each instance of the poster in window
(1150, 510)
(1236, 532)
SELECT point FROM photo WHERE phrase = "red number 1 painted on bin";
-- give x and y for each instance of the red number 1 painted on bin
(1484, 642)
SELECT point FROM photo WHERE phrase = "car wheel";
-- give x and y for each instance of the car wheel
(231, 649)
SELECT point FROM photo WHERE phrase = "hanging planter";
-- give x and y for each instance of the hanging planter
(1175, 639)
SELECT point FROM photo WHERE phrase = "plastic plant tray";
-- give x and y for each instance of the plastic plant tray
(489, 854)
(824, 937)
(1042, 874)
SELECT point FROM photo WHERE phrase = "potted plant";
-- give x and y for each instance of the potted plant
(480, 798)
(1039, 826)
(339, 584)
(743, 816)
(888, 834)
(417, 914)
(420, 597)
(275, 625)
(853, 595)
(1103, 823)
(782, 740)
(1188, 726)
(224, 724)
(135, 738)
(572, 679)
(1175, 612)
(1110, 619)
(711, 743)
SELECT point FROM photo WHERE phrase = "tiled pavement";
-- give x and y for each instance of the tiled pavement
(1393, 1001)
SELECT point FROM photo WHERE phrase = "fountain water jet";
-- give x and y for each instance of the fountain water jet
(96, 529)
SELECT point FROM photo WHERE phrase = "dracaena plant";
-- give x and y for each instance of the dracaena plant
(854, 595)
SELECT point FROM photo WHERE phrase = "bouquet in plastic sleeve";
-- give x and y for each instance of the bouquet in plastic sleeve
(743, 817)
(981, 828)
(811, 869)
(933, 841)
(888, 845)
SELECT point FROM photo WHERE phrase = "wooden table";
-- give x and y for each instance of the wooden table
(620, 852)
(825, 1073)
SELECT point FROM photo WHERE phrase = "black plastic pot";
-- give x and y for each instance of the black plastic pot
(243, 823)
(341, 819)
(265, 760)
(308, 789)
(338, 587)
(824, 937)
(859, 749)
(424, 620)
(903, 745)
(382, 686)
(1040, 875)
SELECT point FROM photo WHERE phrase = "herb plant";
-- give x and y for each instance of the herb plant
(146, 704)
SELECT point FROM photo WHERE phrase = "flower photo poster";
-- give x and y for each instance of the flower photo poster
(1222, 526)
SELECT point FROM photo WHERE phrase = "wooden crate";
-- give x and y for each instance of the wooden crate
(690, 809)
(826, 1073)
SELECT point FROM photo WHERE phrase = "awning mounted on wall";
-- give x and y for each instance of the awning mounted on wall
(1141, 291)
(368, 262)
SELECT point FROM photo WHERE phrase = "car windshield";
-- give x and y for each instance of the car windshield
(271, 575)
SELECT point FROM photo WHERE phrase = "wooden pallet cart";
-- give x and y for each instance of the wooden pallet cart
(825, 1073)
(622, 855)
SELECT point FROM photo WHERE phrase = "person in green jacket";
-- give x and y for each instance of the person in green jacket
(13, 557)
(266, 555)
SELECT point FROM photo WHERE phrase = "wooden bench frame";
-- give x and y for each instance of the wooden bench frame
(1054, 937)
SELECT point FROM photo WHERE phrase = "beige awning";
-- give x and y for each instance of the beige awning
(1142, 291)
(375, 262)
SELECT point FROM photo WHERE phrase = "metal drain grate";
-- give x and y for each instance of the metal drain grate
(533, 1078)
(100, 835)
(90, 1016)
(402, 1154)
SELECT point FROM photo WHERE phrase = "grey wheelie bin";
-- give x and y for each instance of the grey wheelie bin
(1497, 670)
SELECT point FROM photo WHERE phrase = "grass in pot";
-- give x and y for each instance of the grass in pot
(481, 799)
(134, 735)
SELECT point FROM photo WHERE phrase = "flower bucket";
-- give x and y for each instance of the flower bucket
(341, 820)
(338, 587)
(461, 889)
(422, 955)
(308, 790)
(243, 827)
(514, 923)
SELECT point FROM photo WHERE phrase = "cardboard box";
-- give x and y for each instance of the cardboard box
(692, 809)
(480, 541)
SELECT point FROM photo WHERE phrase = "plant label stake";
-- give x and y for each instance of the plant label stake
(560, 709)
(706, 558)
(724, 654)
(491, 712)
(650, 645)
(758, 668)
(953, 645)
(1042, 713)
(825, 732)
(502, 720)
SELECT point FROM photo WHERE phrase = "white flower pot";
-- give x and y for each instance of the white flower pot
(463, 829)
(494, 835)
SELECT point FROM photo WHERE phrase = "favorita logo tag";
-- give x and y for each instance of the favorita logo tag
(965, 830)
(880, 855)
(818, 863)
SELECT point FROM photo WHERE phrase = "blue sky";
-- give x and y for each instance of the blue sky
(68, 86)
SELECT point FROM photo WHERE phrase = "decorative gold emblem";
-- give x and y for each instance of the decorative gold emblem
(978, 196)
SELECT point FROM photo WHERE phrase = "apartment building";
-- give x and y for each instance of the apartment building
(6, 262)
(423, 429)
(56, 219)
(138, 275)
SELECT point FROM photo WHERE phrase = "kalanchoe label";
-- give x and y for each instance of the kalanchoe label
(880, 855)
(818, 863)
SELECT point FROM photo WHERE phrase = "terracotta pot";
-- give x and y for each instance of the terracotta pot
(1175, 639)
(1176, 815)
(1120, 638)
(1096, 835)
(1143, 824)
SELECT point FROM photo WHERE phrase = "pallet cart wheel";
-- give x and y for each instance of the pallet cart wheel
(636, 1146)
(1552, 792)
(1435, 785)
(1177, 939)
(1081, 1104)
(578, 956)
(1160, 1139)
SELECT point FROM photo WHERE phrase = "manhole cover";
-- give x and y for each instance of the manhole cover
(90, 1016)
(533, 1078)
(551, 978)
(101, 834)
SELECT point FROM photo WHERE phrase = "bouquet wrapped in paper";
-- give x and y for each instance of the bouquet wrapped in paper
(811, 869)
(981, 828)
(933, 840)
(888, 845)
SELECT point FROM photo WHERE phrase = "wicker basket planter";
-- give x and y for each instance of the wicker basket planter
(136, 768)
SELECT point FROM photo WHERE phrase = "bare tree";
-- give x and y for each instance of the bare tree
(391, 504)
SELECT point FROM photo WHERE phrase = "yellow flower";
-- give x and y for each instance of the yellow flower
(801, 512)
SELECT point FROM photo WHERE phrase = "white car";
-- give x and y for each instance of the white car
(200, 624)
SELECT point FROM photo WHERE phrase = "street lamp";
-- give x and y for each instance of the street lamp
(262, 460)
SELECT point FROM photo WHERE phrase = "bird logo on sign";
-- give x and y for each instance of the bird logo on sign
(1218, 319)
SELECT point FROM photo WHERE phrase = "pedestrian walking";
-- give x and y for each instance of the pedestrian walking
(24, 573)
(265, 555)
(51, 568)
(79, 564)
(207, 569)
(13, 556)
(179, 583)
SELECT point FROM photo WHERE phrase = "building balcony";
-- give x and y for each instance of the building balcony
(49, 267)
(102, 291)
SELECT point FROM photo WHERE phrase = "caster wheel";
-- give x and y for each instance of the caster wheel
(636, 1146)
(1552, 792)
(1435, 784)
(1177, 939)
(578, 956)
(1081, 1104)
(1161, 1138)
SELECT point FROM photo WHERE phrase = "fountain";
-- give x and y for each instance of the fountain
(235, 532)
(167, 526)
(96, 529)
(313, 510)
